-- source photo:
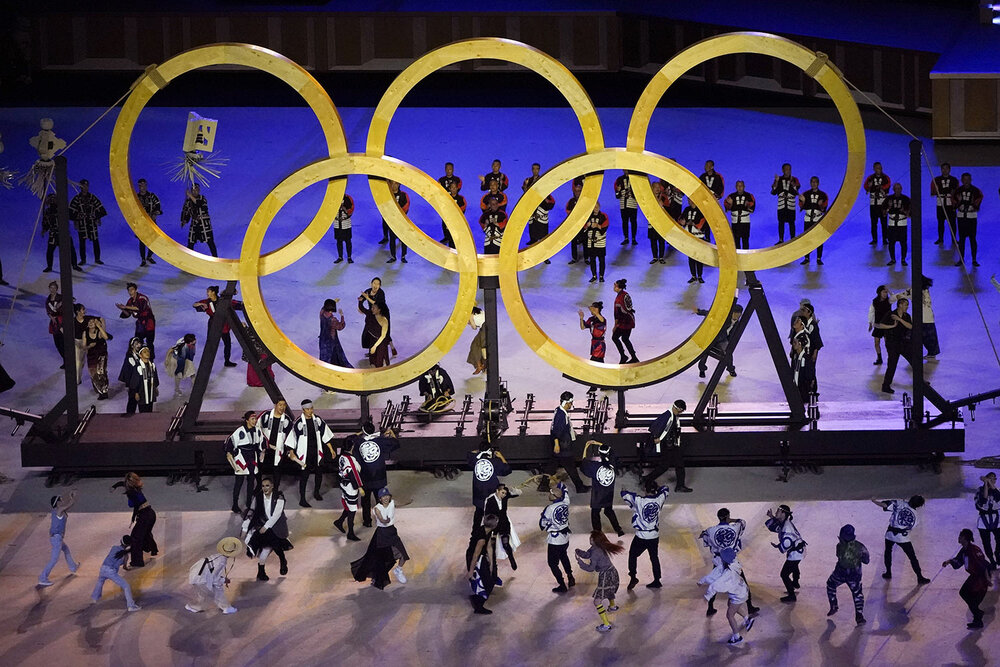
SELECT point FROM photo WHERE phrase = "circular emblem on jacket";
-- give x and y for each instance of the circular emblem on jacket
(370, 451)
(605, 476)
(483, 470)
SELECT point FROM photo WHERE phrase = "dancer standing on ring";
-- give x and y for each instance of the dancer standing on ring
(330, 349)
(195, 212)
(727, 577)
(351, 488)
(598, 559)
(629, 207)
(598, 326)
(143, 519)
(57, 536)
(791, 544)
(741, 204)
(901, 522)
(342, 230)
(974, 589)
(786, 187)
(624, 323)
(555, 522)
(851, 555)
(601, 469)
(646, 522)
(988, 506)
(265, 528)
(597, 242)
(243, 449)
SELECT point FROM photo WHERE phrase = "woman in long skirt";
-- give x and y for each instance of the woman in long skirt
(385, 548)
(143, 519)
(95, 339)
(598, 559)
(330, 349)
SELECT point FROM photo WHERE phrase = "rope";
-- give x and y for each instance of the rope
(99, 119)
(951, 223)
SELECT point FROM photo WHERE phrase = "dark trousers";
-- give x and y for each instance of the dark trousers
(83, 249)
(132, 404)
(142, 536)
(50, 255)
(622, 340)
(145, 407)
(786, 217)
(973, 595)
(878, 217)
(536, 231)
(251, 482)
(696, 267)
(227, 345)
(658, 246)
(392, 245)
(703, 362)
(908, 550)
(854, 585)
(597, 256)
(385, 232)
(57, 339)
(342, 242)
(144, 252)
(568, 463)
(819, 253)
(967, 230)
(741, 232)
(671, 457)
(945, 214)
(989, 549)
(366, 504)
(895, 351)
(790, 575)
(579, 241)
(636, 549)
(930, 338)
(595, 518)
(558, 555)
(897, 235)
(630, 216)
(147, 338)
(304, 480)
(211, 247)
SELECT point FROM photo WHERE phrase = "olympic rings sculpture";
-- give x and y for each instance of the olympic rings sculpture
(463, 259)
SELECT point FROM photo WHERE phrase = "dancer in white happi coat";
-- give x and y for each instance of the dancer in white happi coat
(791, 544)
(351, 488)
(727, 534)
(243, 449)
(311, 435)
(276, 425)
(727, 577)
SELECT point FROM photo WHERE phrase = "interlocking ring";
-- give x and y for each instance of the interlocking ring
(158, 77)
(813, 64)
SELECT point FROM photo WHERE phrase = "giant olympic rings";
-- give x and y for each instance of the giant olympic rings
(463, 259)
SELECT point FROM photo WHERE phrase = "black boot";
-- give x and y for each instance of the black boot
(570, 581)
(478, 605)
(283, 570)
(261, 574)
(561, 588)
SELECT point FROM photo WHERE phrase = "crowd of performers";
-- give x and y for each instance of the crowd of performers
(273, 445)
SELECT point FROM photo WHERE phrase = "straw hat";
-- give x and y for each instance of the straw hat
(229, 546)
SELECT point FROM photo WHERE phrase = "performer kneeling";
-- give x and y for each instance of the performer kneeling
(482, 563)
(385, 549)
(267, 528)
(598, 559)
(727, 577)
(210, 577)
(851, 555)
(437, 389)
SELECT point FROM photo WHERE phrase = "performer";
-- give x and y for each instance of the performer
(974, 589)
(721, 342)
(727, 534)
(460, 201)
(243, 448)
(741, 204)
(646, 522)
(143, 519)
(449, 177)
(657, 245)
(275, 426)
(598, 559)
(207, 306)
(53, 308)
(494, 176)
(330, 349)
(492, 221)
(403, 202)
(57, 536)
(896, 207)
(50, 227)
(624, 323)
(695, 225)
(265, 528)
(943, 190)
(371, 331)
(80, 323)
(628, 206)
(563, 437)
(95, 340)
(437, 389)
(803, 369)
(180, 360)
(311, 435)
(877, 186)
(811, 328)
(496, 505)
(601, 469)
(665, 446)
(351, 488)
(968, 198)
(538, 223)
(493, 195)
(143, 385)
(113, 562)
(555, 522)
(786, 187)
(342, 232)
(897, 325)
(488, 466)
(851, 555)
(385, 548)
(813, 202)
(597, 242)
(482, 563)
(988, 506)
(791, 544)
(151, 204)
(880, 308)
(373, 450)
(86, 211)
(598, 327)
(377, 325)
(901, 522)
(580, 240)
(127, 370)
(209, 577)
(713, 180)
(477, 348)
(195, 212)
(727, 577)
(138, 307)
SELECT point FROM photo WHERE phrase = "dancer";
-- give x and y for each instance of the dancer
(195, 212)
(403, 202)
(877, 186)
(267, 528)
(811, 328)
(713, 180)
(373, 450)
(646, 522)
(143, 385)
(495, 175)
(601, 469)
(351, 488)
(180, 360)
(580, 240)
(143, 519)
(666, 448)
(243, 448)
(496, 505)
(791, 544)
(86, 211)
(53, 308)
(598, 559)
(896, 208)
(385, 549)
(488, 466)
(988, 507)
(128, 369)
(897, 325)
(598, 327)
(151, 205)
(803, 368)
(311, 435)
(727, 534)
(492, 221)
(437, 389)
(741, 204)
(928, 327)
(968, 199)
(597, 242)
(727, 577)
(477, 348)
(538, 223)
(57, 536)
(555, 522)
(563, 437)
(371, 330)
(330, 349)
(95, 338)
(901, 522)
(462, 204)
(80, 323)
(342, 232)
(657, 245)
(721, 342)
(851, 555)
(210, 577)
(694, 224)
(207, 306)
(943, 190)
(786, 187)
(377, 330)
(629, 207)
(974, 589)
(50, 227)
(624, 323)
(493, 195)
(814, 203)
(482, 563)
(114, 561)
(880, 308)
